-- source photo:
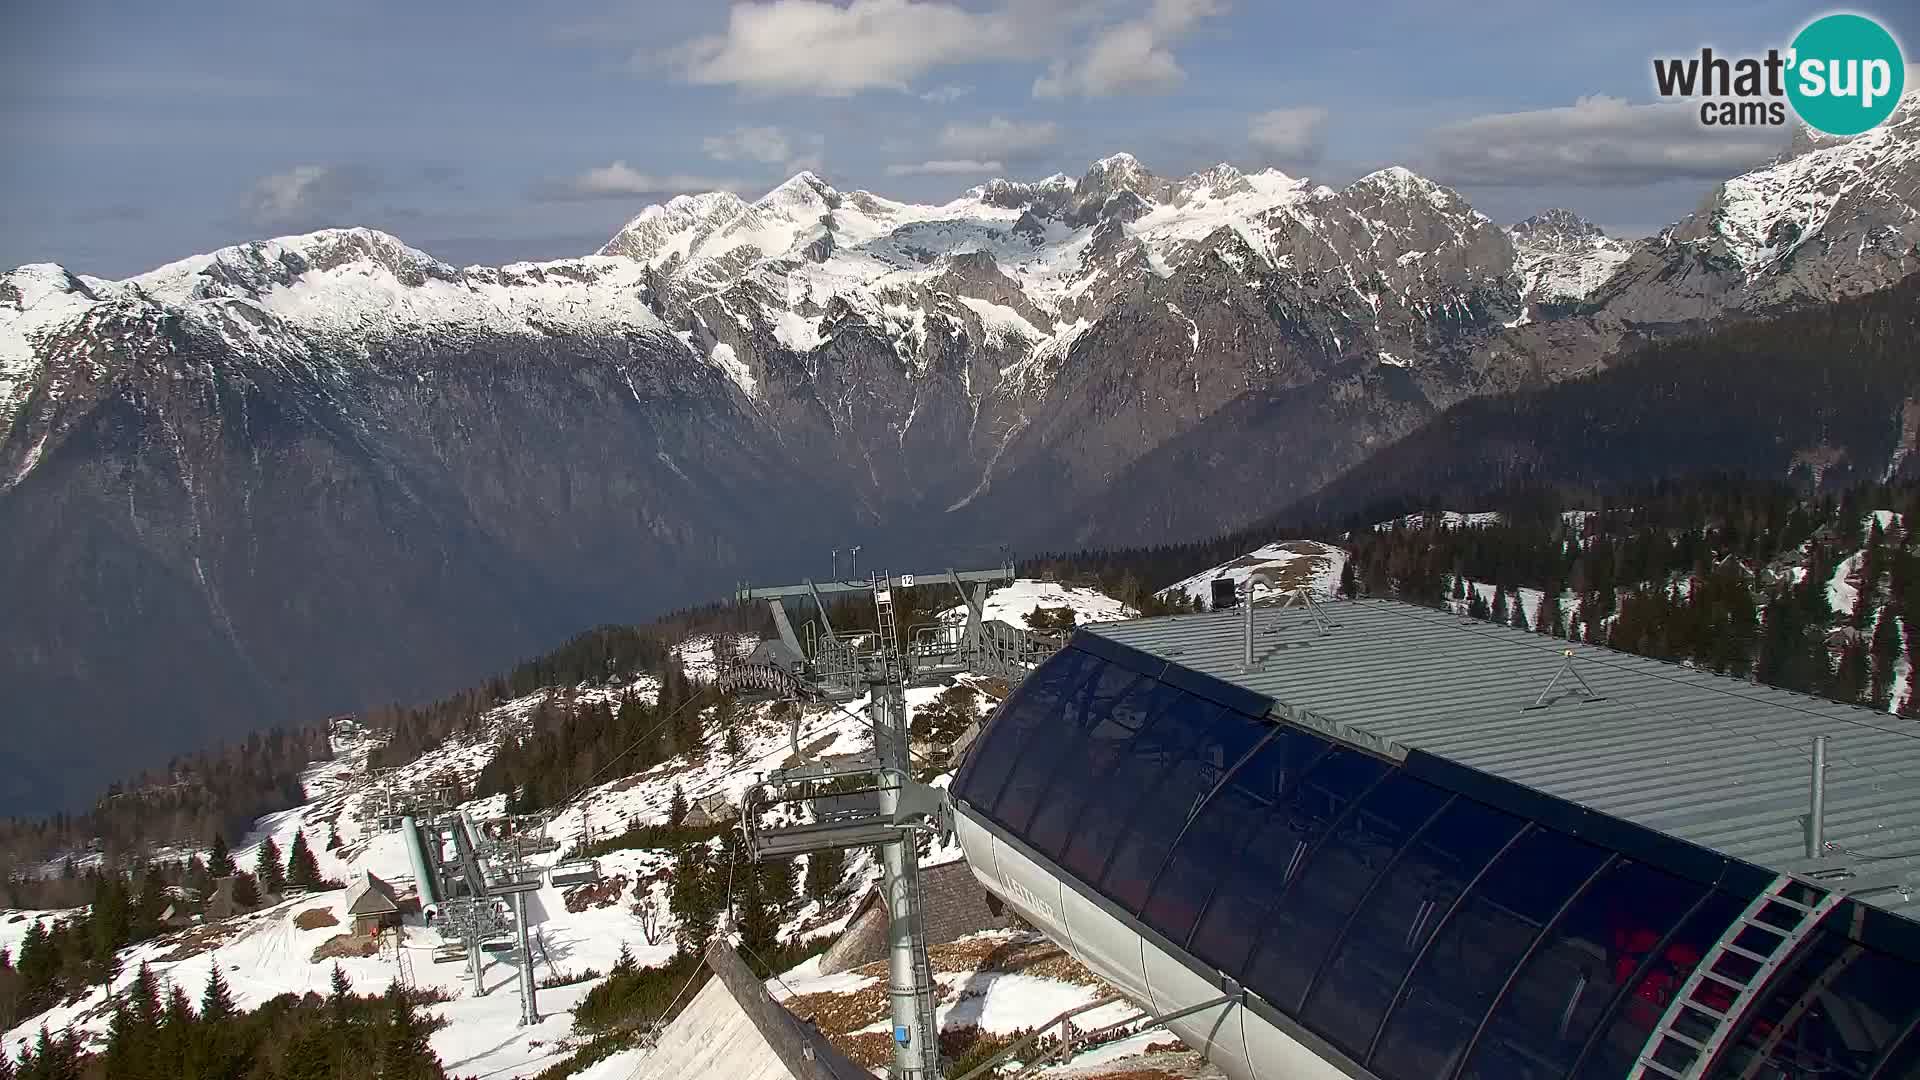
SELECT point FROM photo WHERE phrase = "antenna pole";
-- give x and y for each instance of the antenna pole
(1817, 815)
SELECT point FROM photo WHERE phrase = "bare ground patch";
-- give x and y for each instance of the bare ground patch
(315, 918)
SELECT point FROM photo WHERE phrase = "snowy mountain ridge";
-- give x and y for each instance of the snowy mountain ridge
(1119, 356)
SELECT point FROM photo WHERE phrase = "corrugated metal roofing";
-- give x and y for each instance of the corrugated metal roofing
(1719, 762)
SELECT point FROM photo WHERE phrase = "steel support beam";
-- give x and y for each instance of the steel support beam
(832, 588)
(529, 1007)
(916, 1046)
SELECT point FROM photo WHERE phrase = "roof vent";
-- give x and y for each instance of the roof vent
(1224, 594)
(1580, 688)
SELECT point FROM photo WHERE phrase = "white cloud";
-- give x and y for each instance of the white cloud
(1596, 141)
(815, 47)
(956, 167)
(1131, 56)
(620, 180)
(768, 146)
(1292, 134)
(305, 194)
(998, 138)
(946, 95)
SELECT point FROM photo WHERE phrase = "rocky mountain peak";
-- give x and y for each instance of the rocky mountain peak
(1220, 182)
(1558, 229)
(1113, 174)
(247, 270)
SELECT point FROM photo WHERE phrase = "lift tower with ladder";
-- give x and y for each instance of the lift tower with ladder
(875, 801)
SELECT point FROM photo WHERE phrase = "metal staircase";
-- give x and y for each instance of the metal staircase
(1715, 996)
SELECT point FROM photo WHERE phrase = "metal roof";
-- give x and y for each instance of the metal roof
(1715, 761)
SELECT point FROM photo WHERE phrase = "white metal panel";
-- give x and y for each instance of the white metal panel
(1104, 943)
(1214, 1032)
(1276, 1056)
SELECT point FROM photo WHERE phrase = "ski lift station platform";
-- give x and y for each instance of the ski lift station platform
(1366, 839)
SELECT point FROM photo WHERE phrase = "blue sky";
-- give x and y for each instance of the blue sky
(492, 132)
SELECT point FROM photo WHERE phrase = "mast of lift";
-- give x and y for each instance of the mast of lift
(916, 1036)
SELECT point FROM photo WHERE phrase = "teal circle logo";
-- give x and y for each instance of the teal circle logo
(1846, 74)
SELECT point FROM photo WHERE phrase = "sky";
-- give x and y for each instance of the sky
(483, 132)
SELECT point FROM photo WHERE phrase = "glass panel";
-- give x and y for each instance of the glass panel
(1221, 739)
(1024, 713)
(1242, 906)
(1119, 790)
(1642, 1004)
(1083, 768)
(1326, 889)
(1076, 709)
(1211, 850)
(1474, 953)
(1573, 976)
(1831, 1015)
(1904, 1063)
(1346, 1005)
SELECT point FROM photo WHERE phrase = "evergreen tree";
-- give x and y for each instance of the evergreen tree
(340, 1000)
(39, 967)
(219, 860)
(145, 997)
(108, 926)
(404, 1050)
(729, 720)
(1885, 657)
(824, 870)
(1349, 585)
(246, 891)
(1546, 615)
(267, 871)
(754, 916)
(1850, 680)
(1499, 612)
(309, 1056)
(198, 877)
(302, 868)
(1477, 605)
(776, 881)
(677, 808)
(177, 1034)
(216, 1001)
(695, 899)
(333, 839)
(123, 1044)
(1519, 621)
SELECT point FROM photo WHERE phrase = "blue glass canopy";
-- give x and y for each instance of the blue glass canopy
(1422, 932)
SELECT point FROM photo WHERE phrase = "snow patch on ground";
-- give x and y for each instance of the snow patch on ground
(1014, 602)
(731, 366)
(1298, 563)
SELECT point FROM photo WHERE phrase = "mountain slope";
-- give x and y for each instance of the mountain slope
(1825, 397)
(325, 470)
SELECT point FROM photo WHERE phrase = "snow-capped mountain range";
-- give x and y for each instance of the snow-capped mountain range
(330, 468)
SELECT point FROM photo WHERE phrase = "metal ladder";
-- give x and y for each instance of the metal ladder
(1690, 1034)
(1819, 986)
(403, 961)
(923, 1001)
(889, 643)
